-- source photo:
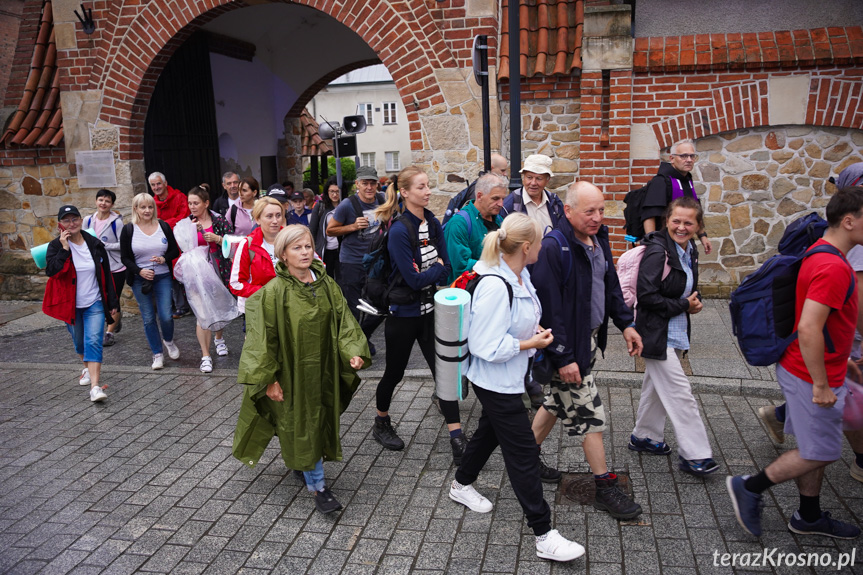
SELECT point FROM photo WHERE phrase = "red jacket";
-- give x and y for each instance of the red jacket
(174, 208)
(252, 268)
(60, 291)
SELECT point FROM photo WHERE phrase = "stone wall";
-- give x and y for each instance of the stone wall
(549, 127)
(755, 183)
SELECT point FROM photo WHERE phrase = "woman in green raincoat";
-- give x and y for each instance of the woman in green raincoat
(303, 347)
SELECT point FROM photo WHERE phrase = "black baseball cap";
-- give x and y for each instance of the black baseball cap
(67, 210)
(278, 192)
(298, 196)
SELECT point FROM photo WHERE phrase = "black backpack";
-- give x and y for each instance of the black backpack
(634, 201)
(458, 201)
(384, 285)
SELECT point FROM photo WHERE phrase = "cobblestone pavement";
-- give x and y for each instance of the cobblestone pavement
(146, 482)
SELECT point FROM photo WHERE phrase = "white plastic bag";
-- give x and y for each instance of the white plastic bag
(210, 300)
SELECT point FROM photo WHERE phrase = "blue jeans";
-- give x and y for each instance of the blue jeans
(157, 301)
(315, 477)
(89, 331)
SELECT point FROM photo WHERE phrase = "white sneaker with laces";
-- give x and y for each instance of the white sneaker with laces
(206, 364)
(469, 497)
(173, 350)
(85, 377)
(97, 394)
(158, 361)
(221, 347)
(556, 547)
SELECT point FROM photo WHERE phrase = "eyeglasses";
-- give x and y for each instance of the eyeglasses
(687, 156)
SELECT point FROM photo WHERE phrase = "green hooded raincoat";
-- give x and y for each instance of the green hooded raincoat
(303, 336)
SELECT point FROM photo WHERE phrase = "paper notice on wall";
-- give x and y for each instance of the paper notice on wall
(96, 169)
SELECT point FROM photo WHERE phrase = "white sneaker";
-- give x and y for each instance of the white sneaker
(97, 394)
(85, 377)
(206, 364)
(158, 361)
(556, 547)
(470, 498)
(221, 347)
(173, 350)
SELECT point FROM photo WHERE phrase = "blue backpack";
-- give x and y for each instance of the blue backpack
(763, 307)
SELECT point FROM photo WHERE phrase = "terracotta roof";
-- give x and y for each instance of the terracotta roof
(550, 38)
(313, 145)
(38, 121)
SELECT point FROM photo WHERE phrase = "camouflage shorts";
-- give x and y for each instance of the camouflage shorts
(579, 407)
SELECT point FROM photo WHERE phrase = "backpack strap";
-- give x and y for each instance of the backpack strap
(467, 218)
(565, 252)
(358, 209)
(233, 217)
(829, 249)
(516, 200)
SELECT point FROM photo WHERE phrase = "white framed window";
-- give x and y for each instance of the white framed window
(367, 159)
(393, 162)
(366, 109)
(390, 116)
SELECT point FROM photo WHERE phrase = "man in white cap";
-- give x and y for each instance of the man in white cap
(532, 198)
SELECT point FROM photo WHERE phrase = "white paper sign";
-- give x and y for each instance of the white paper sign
(96, 169)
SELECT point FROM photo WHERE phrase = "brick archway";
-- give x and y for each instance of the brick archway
(403, 40)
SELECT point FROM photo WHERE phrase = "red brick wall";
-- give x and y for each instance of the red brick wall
(543, 87)
(459, 31)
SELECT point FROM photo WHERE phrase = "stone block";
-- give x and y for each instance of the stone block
(562, 166)
(745, 144)
(610, 53)
(755, 182)
(734, 198)
(772, 169)
(798, 131)
(763, 210)
(728, 249)
(53, 187)
(717, 226)
(813, 150)
(64, 36)
(796, 144)
(781, 187)
(711, 144)
(740, 217)
(565, 136)
(715, 193)
(826, 139)
(567, 152)
(737, 261)
(716, 158)
(787, 97)
(613, 20)
(32, 186)
(709, 172)
(803, 195)
(41, 236)
(760, 156)
(774, 141)
(755, 245)
(820, 170)
(9, 201)
(730, 183)
(795, 166)
(847, 162)
(105, 138)
(737, 165)
(446, 132)
(837, 152)
(643, 144)
(788, 207)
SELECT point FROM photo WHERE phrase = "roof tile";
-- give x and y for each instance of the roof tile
(312, 144)
(550, 33)
(38, 121)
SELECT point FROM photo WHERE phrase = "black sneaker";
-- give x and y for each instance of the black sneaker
(548, 474)
(326, 502)
(458, 444)
(384, 434)
(610, 498)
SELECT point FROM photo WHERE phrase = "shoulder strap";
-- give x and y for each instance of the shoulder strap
(467, 218)
(234, 215)
(114, 227)
(358, 209)
(506, 283)
(566, 253)
(829, 249)
(516, 200)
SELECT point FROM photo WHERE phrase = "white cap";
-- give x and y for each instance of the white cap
(538, 164)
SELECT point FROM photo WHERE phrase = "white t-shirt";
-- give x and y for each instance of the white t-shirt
(332, 243)
(428, 255)
(86, 286)
(271, 249)
(144, 247)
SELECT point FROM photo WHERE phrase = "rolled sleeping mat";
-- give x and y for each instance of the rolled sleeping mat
(40, 253)
(451, 323)
(229, 245)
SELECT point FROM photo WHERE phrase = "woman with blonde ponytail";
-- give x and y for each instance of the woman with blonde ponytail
(417, 251)
(504, 333)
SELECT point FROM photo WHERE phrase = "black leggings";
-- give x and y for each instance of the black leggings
(400, 334)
